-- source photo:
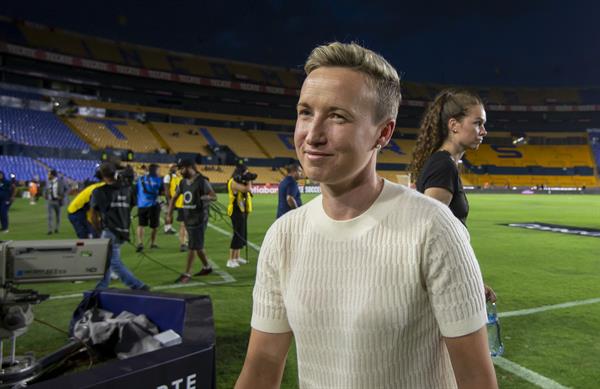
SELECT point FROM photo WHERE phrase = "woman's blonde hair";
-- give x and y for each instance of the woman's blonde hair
(381, 76)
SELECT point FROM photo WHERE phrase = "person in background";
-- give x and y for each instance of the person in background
(288, 193)
(174, 180)
(149, 187)
(166, 190)
(33, 187)
(111, 213)
(238, 209)
(55, 197)
(7, 196)
(452, 124)
(79, 212)
(196, 192)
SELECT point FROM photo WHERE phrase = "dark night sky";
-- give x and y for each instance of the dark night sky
(527, 42)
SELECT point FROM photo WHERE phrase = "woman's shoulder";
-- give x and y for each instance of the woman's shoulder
(440, 159)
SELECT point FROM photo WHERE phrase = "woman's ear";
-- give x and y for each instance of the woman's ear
(386, 132)
(453, 125)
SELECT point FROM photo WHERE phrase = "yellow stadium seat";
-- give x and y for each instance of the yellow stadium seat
(125, 134)
(182, 137)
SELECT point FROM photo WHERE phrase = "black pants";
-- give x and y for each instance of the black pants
(238, 220)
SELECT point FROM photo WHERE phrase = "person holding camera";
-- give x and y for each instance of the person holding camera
(239, 189)
(149, 187)
(111, 213)
(196, 192)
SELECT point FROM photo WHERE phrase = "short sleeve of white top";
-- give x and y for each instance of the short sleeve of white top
(167, 179)
(386, 284)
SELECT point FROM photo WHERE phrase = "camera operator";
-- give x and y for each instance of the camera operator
(111, 213)
(239, 188)
(149, 187)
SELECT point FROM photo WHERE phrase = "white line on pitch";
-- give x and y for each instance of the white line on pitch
(543, 308)
(526, 374)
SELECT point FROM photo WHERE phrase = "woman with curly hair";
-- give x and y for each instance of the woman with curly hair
(453, 123)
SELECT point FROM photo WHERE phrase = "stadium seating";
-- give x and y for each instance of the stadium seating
(504, 180)
(36, 128)
(238, 141)
(24, 168)
(594, 139)
(76, 169)
(528, 155)
(185, 114)
(65, 42)
(116, 133)
(182, 137)
(82, 46)
(277, 144)
(397, 151)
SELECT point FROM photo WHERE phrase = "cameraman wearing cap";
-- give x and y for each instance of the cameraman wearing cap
(239, 189)
(111, 213)
(196, 192)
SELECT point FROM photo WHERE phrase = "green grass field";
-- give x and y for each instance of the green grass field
(527, 269)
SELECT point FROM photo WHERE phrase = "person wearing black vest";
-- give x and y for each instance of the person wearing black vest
(111, 213)
(197, 193)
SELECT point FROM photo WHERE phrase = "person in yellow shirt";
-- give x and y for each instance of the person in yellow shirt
(78, 211)
(171, 181)
(239, 189)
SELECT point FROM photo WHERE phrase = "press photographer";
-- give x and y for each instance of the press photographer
(239, 188)
(111, 213)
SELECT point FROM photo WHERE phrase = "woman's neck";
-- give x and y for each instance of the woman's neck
(456, 151)
(347, 200)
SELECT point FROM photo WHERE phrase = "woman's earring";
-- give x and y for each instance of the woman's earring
(378, 147)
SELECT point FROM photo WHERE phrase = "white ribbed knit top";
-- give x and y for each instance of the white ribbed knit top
(369, 299)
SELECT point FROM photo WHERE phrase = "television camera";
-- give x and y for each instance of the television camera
(26, 262)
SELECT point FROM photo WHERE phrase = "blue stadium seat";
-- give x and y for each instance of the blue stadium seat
(24, 168)
(76, 169)
(36, 128)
